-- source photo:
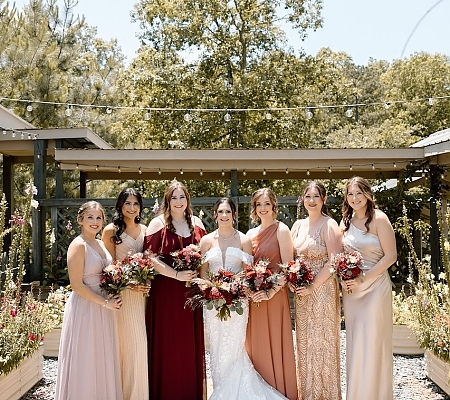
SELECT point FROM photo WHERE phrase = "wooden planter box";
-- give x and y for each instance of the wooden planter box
(438, 371)
(51, 343)
(404, 341)
(20, 380)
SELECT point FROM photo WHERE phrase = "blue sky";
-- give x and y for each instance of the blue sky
(362, 28)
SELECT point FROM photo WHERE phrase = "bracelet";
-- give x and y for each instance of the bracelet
(176, 275)
(105, 303)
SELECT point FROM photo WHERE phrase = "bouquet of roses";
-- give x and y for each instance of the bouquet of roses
(298, 272)
(115, 278)
(142, 268)
(222, 291)
(258, 277)
(347, 265)
(187, 258)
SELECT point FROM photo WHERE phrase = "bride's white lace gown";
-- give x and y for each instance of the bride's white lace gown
(233, 374)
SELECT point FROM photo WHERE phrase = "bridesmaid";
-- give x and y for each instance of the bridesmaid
(88, 362)
(125, 235)
(269, 331)
(317, 308)
(176, 350)
(368, 300)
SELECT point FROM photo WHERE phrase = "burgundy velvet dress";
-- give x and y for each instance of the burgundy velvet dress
(176, 349)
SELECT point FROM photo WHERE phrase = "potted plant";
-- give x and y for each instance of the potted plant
(403, 338)
(56, 301)
(430, 308)
(23, 319)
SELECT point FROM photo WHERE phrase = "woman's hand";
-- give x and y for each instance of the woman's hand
(261, 295)
(350, 284)
(138, 287)
(304, 290)
(114, 303)
(186, 276)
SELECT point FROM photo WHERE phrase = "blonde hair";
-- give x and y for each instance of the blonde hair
(90, 205)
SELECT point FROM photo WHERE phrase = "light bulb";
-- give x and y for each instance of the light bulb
(387, 105)
(329, 170)
(159, 171)
(244, 172)
(264, 172)
(147, 116)
(268, 115)
(13, 134)
(4, 131)
(373, 167)
(395, 164)
(307, 172)
(96, 168)
(227, 117)
(78, 166)
(35, 136)
(201, 173)
(68, 111)
(108, 110)
(188, 117)
(287, 171)
(351, 167)
(29, 107)
(223, 173)
(29, 136)
(349, 112)
(140, 171)
(308, 114)
(181, 171)
(118, 169)
(430, 101)
(22, 135)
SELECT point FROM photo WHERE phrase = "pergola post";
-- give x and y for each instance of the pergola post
(38, 215)
(58, 175)
(83, 185)
(8, 172)
(234, 188)
(434, 231)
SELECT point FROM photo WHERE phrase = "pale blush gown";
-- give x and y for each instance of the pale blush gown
(88, 361)
(234, 377)
(368, 323)
(132, 330)
(317, 328)
(269, 343)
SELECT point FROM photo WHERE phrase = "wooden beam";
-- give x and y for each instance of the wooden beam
(8, 190)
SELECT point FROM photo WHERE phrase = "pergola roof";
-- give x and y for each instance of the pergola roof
(249, 163)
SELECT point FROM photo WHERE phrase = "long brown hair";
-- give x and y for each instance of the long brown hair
(322, 193)
(256, 195)
(90, 205)
(165, 206)
(347, 210)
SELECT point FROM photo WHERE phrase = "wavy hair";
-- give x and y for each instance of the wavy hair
(347, 210)
(255, 196)
(165, 206)
(90, 205)
(118, 220)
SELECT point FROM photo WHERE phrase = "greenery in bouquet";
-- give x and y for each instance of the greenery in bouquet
(430, 304)
(222, 292)
(142, 268)
(115, 278)
(188, 258)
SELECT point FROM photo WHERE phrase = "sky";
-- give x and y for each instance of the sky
(364, 29)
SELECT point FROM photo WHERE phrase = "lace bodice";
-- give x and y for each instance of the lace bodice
(231, 261)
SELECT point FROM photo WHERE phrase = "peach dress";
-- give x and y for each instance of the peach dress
(269, 341)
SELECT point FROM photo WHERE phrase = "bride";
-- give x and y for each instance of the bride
(232, 372)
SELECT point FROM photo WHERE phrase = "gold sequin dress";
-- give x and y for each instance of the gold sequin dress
(317, 327)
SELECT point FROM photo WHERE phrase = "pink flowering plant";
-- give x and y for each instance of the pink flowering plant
(23, 319)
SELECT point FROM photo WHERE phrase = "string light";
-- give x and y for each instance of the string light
(78, 166)
(307, 172)
(147, 115)
(159, 171)
(349, 112)
(29, 136)
(431, 101)
(387, 105)
(4, 131)
(351, 167)
(29, 107)
(181, 171)
(227, 116)
(187, 116)
(68, 111)
(223, 173)
(22, 135)
(118, 169)
(34, 136)
(201, 172)
(268, 115)
(329, 170)
(96, 168)
(140, 171)
(308, 114)
(264, 172)
(13, 133)
(287, 171)
(108, 110)
(244, 172)
(373, 167)
(395, 164)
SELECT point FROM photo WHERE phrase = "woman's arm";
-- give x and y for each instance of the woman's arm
(205, 245)
(107, 235)
(75, 265)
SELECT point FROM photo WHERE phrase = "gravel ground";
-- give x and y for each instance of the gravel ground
(410, 381)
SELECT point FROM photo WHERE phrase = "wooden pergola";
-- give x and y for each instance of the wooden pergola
(81, 149)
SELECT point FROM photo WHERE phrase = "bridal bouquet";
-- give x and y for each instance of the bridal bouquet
(115, 278)
(141, 267)
(187, 258)
(298, 272)
(222, 292)
(258, 277)
(347, 265)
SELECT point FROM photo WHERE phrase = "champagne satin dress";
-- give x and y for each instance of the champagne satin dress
(368, 323)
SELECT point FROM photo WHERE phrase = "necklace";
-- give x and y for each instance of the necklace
(225, 237)
(178, 222)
